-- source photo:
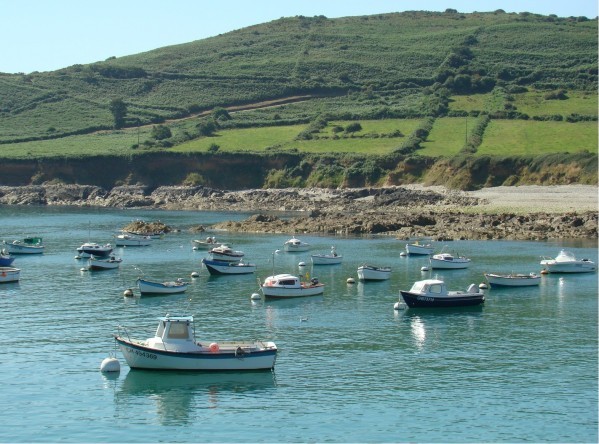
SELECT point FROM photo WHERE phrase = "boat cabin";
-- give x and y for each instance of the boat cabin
(176, 331)
(429, 286)
(282, 280)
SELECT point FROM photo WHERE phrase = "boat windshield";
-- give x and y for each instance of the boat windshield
(178, 330)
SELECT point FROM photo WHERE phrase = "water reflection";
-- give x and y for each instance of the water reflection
(426, 323)
(178, 394)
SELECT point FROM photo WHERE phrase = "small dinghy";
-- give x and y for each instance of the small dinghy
(512, 279)
(170, 287)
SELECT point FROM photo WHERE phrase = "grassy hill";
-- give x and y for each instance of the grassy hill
(417, 83)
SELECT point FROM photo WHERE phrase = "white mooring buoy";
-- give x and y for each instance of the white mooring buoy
(402, 254)
(195, 274)
(255, 296)
(110, 365)
(302, 264)
(128, 292)
(399, 306)
(425, 268)
(350, 280)
(482, 286)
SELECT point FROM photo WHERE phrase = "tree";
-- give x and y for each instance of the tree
(160, 132)
(118, 108)
(206, 128)
(353, 127)
(219, 113)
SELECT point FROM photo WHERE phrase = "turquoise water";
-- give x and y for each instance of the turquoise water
(521, 368)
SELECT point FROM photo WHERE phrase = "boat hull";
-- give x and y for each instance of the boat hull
(9, 274)
(449, 265)
(138, 356)
(149, 287)
(326, 259)
(220, 267)
(369, 274)
(89, 250)
(95, 264)
(421, 250)
(287, 293)
(512, 280)
(132, 242)
(6, 261)
(24, 249)
(578, 267)
(417, 300)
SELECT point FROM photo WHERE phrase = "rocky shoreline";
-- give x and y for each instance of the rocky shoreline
(404, 212)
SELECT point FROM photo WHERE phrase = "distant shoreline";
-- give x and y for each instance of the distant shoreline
(523, 213)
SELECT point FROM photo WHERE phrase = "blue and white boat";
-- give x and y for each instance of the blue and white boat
(89, 249)
(433, 293)
(169, 287)
(224, 267)
(175, 347)
(6, 259)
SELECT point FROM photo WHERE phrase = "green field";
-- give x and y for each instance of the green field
(517, 137)
(534, 104)
(447, 137)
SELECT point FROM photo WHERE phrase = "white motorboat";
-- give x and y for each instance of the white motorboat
(226, 254)
(222, 267)
(169, 287)
(331, 258)
(89, 249)
(209, 242)
(175, 347)
(368, 272)
(449, 261)
(9, 274)
(29, 245)
(566, 262)
(283, 286)
(432, 293)
(295, 244)
(418, 248)
(131, 240)
(512, 279)
(97, 263)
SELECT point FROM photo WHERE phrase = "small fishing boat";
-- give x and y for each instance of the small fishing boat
(512, 279)
(89, 249)
(417, 248)
(433, 293)
(175, 347)
(222, 267)
(226, 254)
(566, 262)
(331, 258)
(29, 245)
(170, 287)
(6, 259)
(209, 242)
(150, 234)
(97, 263)
(368, 272)
(282, 286)
(449, 261)
(9, 274)
(294, 244)
(131, 240)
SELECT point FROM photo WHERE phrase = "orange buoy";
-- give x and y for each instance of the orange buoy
(214, 347)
